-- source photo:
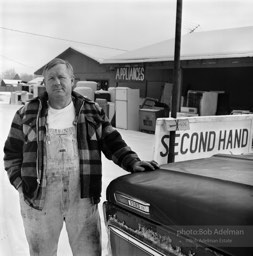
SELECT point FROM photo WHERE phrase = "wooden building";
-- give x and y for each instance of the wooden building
(87, 64)
(219, 60)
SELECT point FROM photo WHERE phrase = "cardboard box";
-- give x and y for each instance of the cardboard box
(148, 118)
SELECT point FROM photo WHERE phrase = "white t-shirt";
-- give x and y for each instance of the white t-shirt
(61, 118)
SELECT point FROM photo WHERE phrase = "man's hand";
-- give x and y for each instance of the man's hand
(142, 166)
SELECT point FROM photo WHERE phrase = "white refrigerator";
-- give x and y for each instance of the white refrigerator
(127, 108)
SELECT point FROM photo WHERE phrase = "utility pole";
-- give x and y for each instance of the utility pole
(176, 92)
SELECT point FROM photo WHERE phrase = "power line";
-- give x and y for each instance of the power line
(61, 39)
(20, 63)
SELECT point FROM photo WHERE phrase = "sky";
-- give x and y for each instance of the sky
(32, 32)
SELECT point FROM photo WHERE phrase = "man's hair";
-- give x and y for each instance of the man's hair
(57, 61)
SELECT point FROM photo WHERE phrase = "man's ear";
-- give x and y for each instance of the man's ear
(73, 81)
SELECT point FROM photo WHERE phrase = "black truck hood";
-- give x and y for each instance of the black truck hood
(213, 191)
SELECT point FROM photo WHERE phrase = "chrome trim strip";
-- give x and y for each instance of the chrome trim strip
(131, 201)
(136, 242)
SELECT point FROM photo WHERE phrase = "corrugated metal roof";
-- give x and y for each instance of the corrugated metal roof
(96, 53)
(215, 44)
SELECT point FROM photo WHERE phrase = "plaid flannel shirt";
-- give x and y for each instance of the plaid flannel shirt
(24, 148)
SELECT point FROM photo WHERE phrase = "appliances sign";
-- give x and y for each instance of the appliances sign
(203, 136)
(130, 73)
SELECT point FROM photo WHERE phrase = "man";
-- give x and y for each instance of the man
(53, 158)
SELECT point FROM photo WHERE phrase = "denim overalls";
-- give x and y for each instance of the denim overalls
(63, 202)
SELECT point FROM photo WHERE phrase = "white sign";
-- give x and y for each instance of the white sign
(201, 137)
(130, 73)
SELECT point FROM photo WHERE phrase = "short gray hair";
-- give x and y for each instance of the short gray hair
(57, 61)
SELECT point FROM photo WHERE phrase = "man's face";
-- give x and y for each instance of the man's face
(59, 83)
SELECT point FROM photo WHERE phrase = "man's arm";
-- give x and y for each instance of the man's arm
(116, 149)
(13, 151)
